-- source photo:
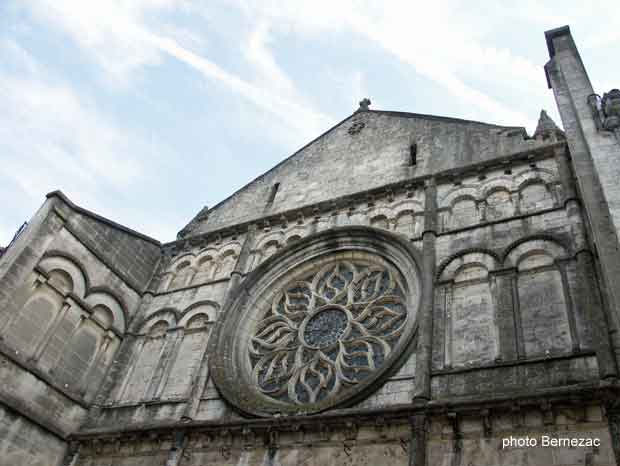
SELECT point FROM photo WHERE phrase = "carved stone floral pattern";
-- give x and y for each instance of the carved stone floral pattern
(327, 331)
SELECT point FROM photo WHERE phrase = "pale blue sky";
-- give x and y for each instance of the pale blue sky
(144, 111)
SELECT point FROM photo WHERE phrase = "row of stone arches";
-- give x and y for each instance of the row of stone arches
(206, 265)
(167, 354)
(525, 303)
(405, 217)
(67, 329)
(497, 198)
(271, 242)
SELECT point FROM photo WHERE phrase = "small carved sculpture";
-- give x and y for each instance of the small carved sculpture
(364, 104)
(610, 106)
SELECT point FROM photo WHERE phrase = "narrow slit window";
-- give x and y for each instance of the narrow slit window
(272, 194)
(413, 154)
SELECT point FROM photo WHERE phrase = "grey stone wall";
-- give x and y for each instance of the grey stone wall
(67, 303)
(594, 155)
(377, 155)
(24, 443)
(106, 336)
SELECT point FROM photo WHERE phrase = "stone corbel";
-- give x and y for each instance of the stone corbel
(548, 416)
(453, 419)
(273, 438)
(350, 430)
(380, 426)
(324, 432)
(486, 422)
(481, 205)
(517, 416)
(249, 437)
(370, 200)
(409, 190)
(39, 280)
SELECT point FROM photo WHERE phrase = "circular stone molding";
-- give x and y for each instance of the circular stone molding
(318, 324)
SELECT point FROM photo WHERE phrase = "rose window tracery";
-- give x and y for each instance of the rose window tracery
(327, 331)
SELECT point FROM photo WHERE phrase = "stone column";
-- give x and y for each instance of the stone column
(422, 390)
(594, 153)
(51, 330)
(566, 175)
(502, 289)
(176, 450)
(589, 300)
(417, 446)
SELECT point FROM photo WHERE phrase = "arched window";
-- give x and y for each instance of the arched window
(183, 275)
(464, 213)
(292, 239)
(543, 307)
(27, 329)
(405, 223)
(226, 264)
(466, 322)
(499, 205)
(189, 352)
(535, 196)
(270, 249)
(78, 356)
(380, 221)
(147, 353)
(205, 270)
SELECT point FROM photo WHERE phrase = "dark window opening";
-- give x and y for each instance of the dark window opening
(272, 194)
(413, 153)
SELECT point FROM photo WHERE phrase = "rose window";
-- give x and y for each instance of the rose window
(327, 330)
(320, 324)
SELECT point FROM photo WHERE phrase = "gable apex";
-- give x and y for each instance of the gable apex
(365, 150)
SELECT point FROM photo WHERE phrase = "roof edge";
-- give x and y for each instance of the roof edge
(381, 112)
(552, 34)
(62, 196)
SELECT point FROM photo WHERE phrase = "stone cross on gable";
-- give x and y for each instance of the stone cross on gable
(364, 104)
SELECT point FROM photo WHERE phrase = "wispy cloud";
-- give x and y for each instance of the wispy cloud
(225, 78)
(119, 38)
(51, 137)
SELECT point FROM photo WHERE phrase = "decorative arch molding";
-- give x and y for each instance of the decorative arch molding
(269, 238)
(208, 252)
(83, 289)
(226, 248)
(101, 296)
(69, 265)
(407, 204)
(457, 194)
(186, 260)
(169, 315)
(296, 231)
(497, 183)
(557, 247)
(534, 175)
(442, 274)
(336, 251)
(209, 308)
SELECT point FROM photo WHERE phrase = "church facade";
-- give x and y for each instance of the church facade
(405, 289)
